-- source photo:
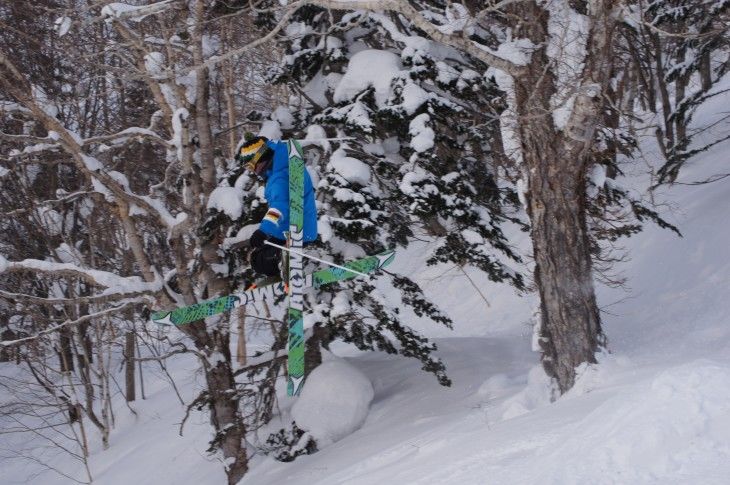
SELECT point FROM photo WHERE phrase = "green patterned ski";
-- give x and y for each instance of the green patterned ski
(215, 306)
(295, 316)
(368, 264)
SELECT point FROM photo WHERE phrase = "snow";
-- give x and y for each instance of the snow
(654, 410)
(62, 25)
(189, 82)
(351, 169)
(422, 135)
(508, 122)
(324, 228)
(367, 68)
(112, 282)
(178, 117)
(44, 102)
(228, 200)
(413, 97)
(154, 62)
(410, 178)
(319, 85)
(92, 163)
(119, 10)
(115, 9)
(568, 31)
(101, 188)
(457, 17)
(284, 117)
(271, 130)
(358, 115)
(522, 188)
(317, 134)
(472, 237)
(518, 51)
(243, 234)
(446, 73)
(334, 402)
(597, 178)
(52, 220)
(538, 392)
(211, 45)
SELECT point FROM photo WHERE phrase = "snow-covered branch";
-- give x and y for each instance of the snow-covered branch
(126, 135)
(11, 107)
(78, 300)
(459, 42)
(135, 13)
(113, 283)
(9, 137)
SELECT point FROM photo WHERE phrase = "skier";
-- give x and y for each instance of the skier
(269, 160)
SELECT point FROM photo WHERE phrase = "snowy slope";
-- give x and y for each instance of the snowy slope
(655, 410)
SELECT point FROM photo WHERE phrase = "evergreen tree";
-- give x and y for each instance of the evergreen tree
(421, 162)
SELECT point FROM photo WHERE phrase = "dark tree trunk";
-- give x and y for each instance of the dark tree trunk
(556, 161)
(129, 367)
(65, 354)
(570, 327)
(706, 71)
(225, 415)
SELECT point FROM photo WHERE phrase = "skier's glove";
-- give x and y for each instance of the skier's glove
(257, 238)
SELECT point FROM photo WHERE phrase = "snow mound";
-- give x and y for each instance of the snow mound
(538, 392)
(334, 402)
(677, 427)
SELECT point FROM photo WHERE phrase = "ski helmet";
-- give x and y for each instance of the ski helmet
(255, 155)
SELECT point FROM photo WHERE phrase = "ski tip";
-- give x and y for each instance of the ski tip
(385, 258)
(162, 318)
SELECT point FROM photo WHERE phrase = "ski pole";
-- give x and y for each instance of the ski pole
(342, 138)
(283, 248)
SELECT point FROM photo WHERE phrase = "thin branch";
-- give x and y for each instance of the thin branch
(85, 318)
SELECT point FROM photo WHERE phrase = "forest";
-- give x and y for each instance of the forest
(550, 175)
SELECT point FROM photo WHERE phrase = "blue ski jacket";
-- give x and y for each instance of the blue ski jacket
(276, 221)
